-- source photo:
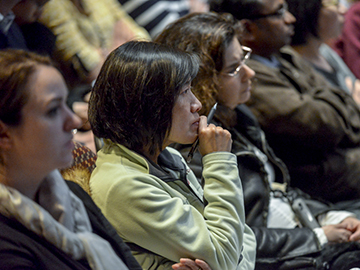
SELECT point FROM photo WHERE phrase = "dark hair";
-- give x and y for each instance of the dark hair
(207, 35)
(135, 92)
(240, 9)
(16, 67)
(307, 17)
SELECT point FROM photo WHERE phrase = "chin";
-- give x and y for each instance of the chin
(66, 162)
(245, 97)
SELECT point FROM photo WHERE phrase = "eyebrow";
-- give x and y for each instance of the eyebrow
(55, 99)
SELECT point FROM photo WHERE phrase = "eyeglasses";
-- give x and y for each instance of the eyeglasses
(246, 55)
(280, 13)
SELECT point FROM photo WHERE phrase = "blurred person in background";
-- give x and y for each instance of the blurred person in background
(348, 44)
(312, 126)
(154, 15)
(317, 23)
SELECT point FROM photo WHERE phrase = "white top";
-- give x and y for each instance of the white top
(281, 215)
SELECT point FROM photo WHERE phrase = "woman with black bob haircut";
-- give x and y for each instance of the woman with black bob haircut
(127, 94)
(141, 103)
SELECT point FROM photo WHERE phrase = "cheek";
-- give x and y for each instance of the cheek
(230, 94)
(245, 96)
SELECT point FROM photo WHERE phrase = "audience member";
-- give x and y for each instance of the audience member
(225, 78)
(348, 44)
(141, 103)
(10, 34)
(317, 23)
(43, 224)
(312, 126)
(86, 31)
(154, 15)
(38, 37)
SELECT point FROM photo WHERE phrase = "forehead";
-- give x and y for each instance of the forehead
(45, 84)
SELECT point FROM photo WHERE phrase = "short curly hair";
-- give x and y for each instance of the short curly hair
(208, 35)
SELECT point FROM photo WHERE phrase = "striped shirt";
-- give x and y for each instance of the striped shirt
(154, 15)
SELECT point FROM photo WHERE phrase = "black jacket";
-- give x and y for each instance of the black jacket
(276, 248)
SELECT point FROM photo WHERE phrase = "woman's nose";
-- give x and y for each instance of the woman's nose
(289, 18)
(248, 74)
(72, 121)
(196, 104)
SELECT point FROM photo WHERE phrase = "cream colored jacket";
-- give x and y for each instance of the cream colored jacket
(171, 218)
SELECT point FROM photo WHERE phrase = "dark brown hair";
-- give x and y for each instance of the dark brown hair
(16, 67)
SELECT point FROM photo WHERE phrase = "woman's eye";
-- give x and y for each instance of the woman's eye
(233, 70)
(52, 112)
(186, 91)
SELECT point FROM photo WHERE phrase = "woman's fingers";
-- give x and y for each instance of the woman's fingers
(189, 264)
(213, 138)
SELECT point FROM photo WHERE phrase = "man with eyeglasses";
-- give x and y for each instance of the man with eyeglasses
(313, 127)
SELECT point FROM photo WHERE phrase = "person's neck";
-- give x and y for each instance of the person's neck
(21, 180)
(311, 52)
(153, 158)
(262, 51)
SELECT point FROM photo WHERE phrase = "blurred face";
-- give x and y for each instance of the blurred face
(28, 11)
(43, 140)
(275, 26)
(331, 19)
(235, 89)
(185, 118)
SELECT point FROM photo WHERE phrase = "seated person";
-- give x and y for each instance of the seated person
(312, 126)
(10, 34)
(37, 36)
(283, 240)
(86, 31)
(155, 15)
(140, 104)
(318, 22)
(348, 44)
(43, 224)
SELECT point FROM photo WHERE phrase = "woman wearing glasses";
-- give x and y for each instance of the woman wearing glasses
(225, 78)
(317, 23)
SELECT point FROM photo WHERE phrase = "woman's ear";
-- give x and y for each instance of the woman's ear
(5, 141)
